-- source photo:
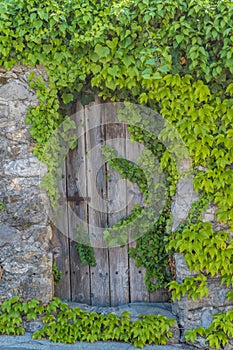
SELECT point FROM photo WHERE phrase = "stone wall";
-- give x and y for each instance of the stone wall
(25, 259)
(192, 314)
(25, 234)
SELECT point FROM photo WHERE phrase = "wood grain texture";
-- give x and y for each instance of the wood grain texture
(160, 295)
(97, 208)
(138, 291)
(115, 280)
(61, 243)
(116, 204)
(77, 213)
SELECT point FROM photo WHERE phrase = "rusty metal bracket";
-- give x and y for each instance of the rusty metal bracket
(75, 198)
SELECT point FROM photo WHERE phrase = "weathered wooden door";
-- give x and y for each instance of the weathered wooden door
(105, 198)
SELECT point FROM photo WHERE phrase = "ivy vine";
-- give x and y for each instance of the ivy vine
(57, 274)
(175, 57)
(150, 251)
(68, 325)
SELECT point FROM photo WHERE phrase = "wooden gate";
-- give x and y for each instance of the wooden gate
(105, 198)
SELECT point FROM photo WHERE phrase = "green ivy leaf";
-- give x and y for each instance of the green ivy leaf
(102, 51)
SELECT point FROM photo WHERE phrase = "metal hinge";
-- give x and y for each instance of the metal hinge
(75, 198)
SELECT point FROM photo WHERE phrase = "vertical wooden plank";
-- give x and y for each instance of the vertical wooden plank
(61, 243)
(160, 295)
(116, 189)
(97, 209)
(138, 291)
(77, 212)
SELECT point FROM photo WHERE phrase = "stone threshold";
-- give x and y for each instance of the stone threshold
(135, 309)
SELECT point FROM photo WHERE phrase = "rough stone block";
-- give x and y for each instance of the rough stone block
(182, 270)
(29, 167)
(14, 90)
(183, 200)
(192, 314)
(25, 257)
(4, 110)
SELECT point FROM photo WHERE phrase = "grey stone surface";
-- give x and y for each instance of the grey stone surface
(135, 310)
(28, 167)
(182, 270)
(25, 258)
(25, 342)
(185, 195)
(192, 314)
(13, 90)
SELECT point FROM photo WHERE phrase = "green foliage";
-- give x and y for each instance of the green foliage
(207, 253)
(57, 274)
(54, 154)
(218, 333)
(10, 318)
(13, 312)
(86, 254)
(72, 325)
(150, 251)
(84, 248)
(204, 249)
(65, 325)
(195, 287)
(2, 206)
(172, 56)
(127, 169)
(44, 118)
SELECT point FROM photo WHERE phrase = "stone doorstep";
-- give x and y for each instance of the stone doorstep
(134, 308)
(26, 343)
